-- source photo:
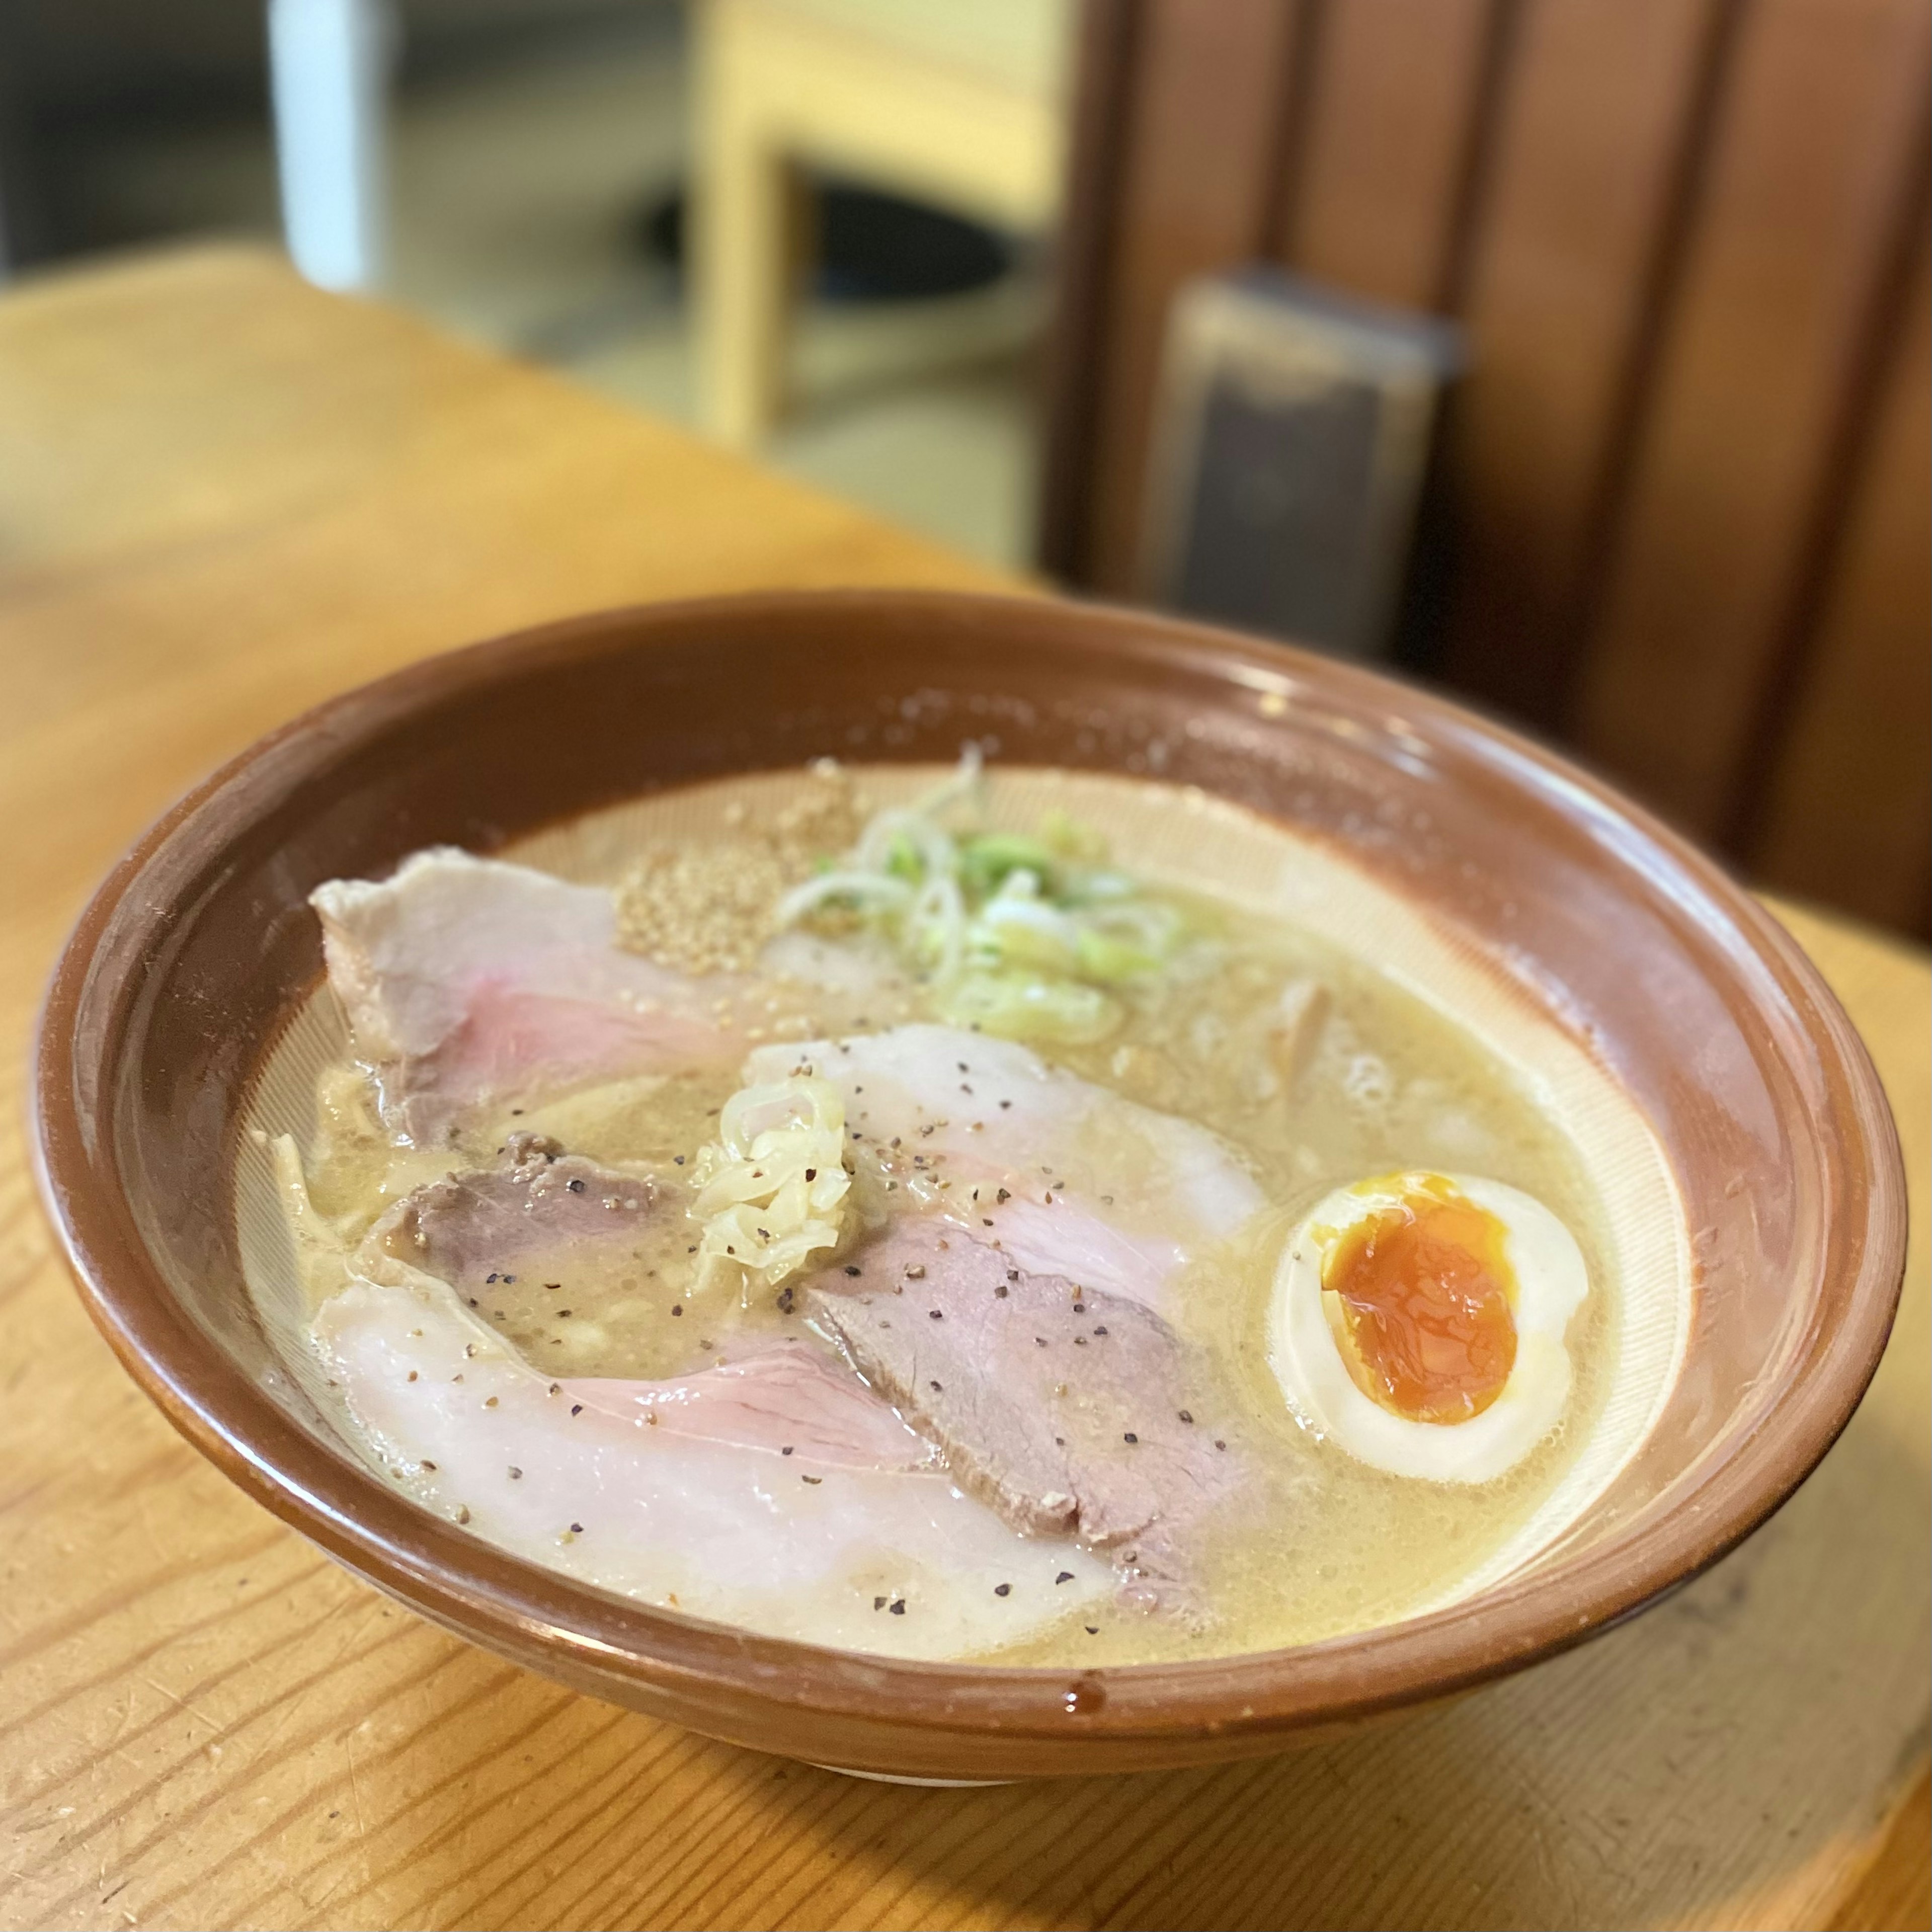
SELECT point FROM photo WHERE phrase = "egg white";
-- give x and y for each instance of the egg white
(1552, 1283)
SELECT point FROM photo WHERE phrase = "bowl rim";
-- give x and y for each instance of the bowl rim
(454, 1577)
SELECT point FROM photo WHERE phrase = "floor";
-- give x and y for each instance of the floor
(518, 194)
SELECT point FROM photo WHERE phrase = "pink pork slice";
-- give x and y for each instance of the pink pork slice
(1068, 1410)
(1070, 1178)
(468, 980)
(774, 1493)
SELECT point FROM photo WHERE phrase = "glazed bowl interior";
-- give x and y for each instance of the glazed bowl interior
(201, 945)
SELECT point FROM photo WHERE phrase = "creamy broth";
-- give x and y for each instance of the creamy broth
(1320, 1543)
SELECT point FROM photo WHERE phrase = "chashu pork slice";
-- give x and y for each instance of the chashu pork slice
(537, 1203)
(467, 981)
(774, 1493)
(1071, 1178)
(1070, 1411)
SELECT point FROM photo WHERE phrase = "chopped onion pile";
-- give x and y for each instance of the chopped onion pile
(771, 1189)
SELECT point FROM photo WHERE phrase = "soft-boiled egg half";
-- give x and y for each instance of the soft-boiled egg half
(1419, 1322)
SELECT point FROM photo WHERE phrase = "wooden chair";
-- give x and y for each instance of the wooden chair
(957, 103)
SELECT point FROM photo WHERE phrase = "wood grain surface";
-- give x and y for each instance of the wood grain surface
(223, 496)
(1680, 235)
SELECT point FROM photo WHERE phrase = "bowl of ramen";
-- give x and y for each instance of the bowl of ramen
(964, 1188)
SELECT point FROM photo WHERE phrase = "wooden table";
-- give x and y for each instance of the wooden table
(222, 496)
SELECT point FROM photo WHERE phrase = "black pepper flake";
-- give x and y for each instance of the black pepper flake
(1003, 1194)
(576, 1409)
(915, 1271)
(853, 1267)
(1003, 1589)
(786, 1450)
(878, 1603)
(812, 1173)
(1092, 1630)
(813, 1480)
(936, 1387)
(1013, 1274)
(553, 1284)
(575, 1184)
(1099, 1330)
(516, 1474)
(1219, 1444)
(1000, 1292)
(472, 1301)
(1065, 1577)
(896, 1607)
(1130, 1437)
(1080, 1308)
(577, 1529)
(489, 1278)
(462, 1513)
(677, 1308)
(1006, 1103)
(785, 1301)
(1080, 1341)
(563, 1314)
(1039, 1341)
(508, 1279)
(935, 1315)
(427, 1464)
(677, 1160)
(1187, 1415)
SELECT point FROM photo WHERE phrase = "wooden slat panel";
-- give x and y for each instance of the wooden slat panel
(1815, 145)
(1382, 163)
(1108, 42)
(1584, 176)
(1203, 130)
(1850, 815)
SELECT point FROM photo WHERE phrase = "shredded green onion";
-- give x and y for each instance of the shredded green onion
(1018, 935)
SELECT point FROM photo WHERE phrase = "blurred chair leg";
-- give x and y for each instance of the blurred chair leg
(329, 63)
(744, 240)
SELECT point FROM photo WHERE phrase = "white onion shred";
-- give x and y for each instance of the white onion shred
(772, 1188)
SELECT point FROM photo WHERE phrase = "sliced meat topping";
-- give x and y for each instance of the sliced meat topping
(479, 1227)
(1070, 1410)
(1070, 1178)
(466, 980)
(788, 1401)
(779, 1495)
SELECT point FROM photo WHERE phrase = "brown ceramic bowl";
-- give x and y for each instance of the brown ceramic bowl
(1760, 1092)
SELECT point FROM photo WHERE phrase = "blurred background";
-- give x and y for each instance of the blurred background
(1574, 354)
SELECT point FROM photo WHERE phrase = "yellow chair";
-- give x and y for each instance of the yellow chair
(960, 102)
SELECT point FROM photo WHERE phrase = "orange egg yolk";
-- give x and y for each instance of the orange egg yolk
(1426, 1300)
